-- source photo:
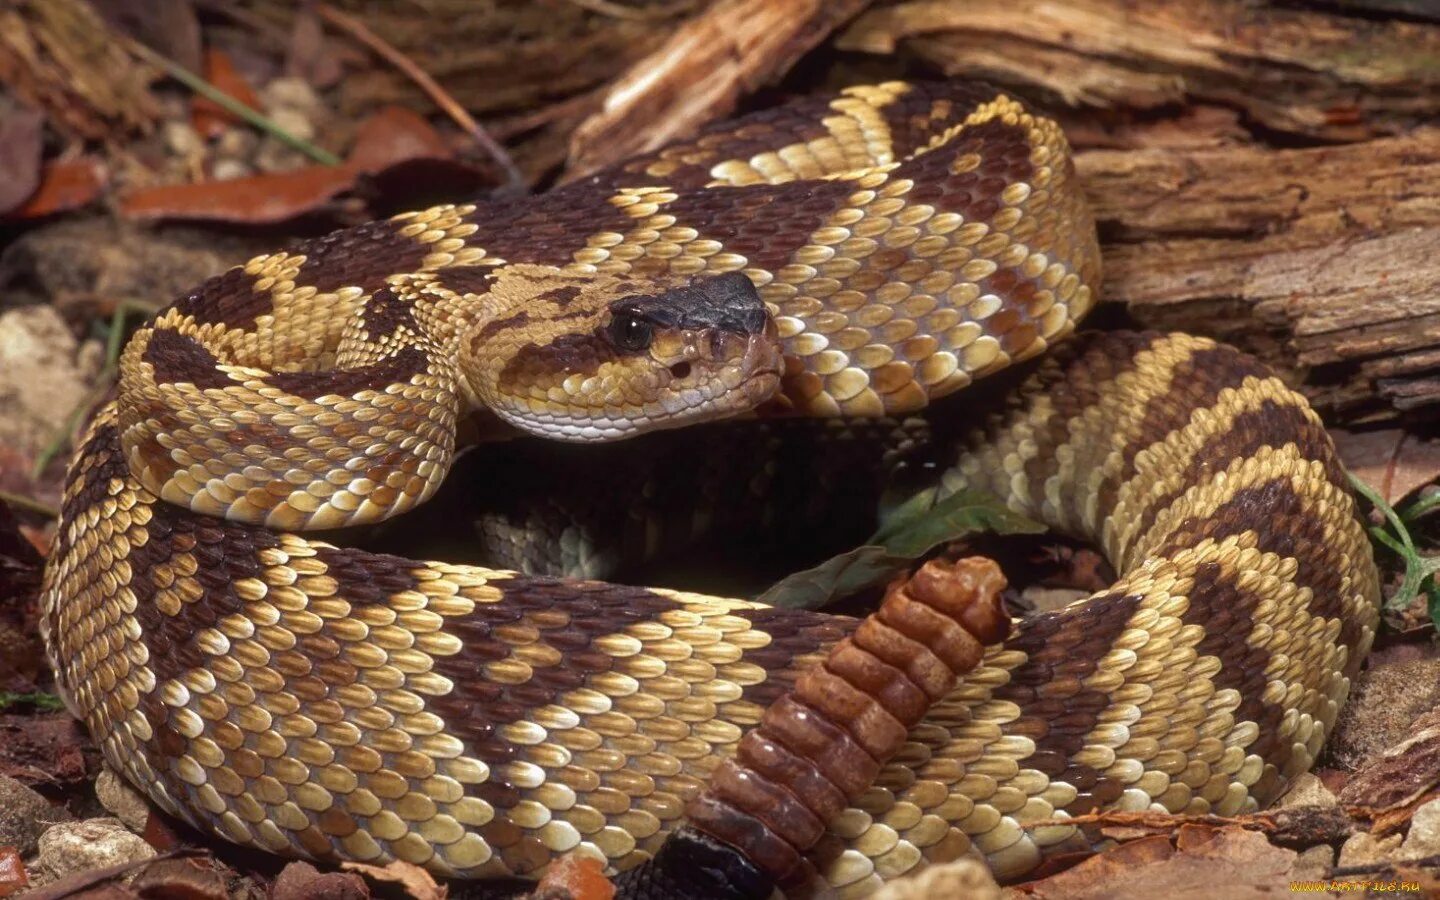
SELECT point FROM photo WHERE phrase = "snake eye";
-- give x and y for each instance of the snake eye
(630, 333)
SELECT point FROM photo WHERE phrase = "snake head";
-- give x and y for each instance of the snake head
(603, 358)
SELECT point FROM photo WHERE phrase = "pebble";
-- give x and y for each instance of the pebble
(72, 847)
(126, 803)
(1364, 848)
(1424, 837)
(24, 816)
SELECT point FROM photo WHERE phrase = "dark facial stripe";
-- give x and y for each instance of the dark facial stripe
(397, 368)
(181, 359)
(1056, 710)
(580, 354)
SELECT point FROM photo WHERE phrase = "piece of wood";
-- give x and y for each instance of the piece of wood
(700, 74)
(1294, 67)
(1324, 261)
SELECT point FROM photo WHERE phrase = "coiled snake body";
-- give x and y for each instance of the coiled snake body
(899, 241)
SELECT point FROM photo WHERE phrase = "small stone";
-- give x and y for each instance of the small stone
(182, 140)
(1307, 790)
(1313, 864)
(1364, 848)
(229, 170)
(290, 93)
(43, 376)
(1424, 837)
(92, 844)
(128, 804)
(24, 816)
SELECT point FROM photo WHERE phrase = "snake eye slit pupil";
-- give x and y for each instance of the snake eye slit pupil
(630, 333)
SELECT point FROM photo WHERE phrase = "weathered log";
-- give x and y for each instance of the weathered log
(1306, 71)
(1325, 261)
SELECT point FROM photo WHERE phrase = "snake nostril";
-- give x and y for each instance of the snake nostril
(680, 370)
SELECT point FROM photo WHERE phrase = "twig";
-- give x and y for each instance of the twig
(10, 498)
(430, 86)
(231, 105)
(631, 13)
(1424, 862)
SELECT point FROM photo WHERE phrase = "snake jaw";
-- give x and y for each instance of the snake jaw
(632, 357)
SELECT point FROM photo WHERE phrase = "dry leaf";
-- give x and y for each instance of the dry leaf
(395, 134)
(302, 881)
(208, 118)
(64, 186)
(1199, 859)
(257, 200)
(1391, 461)
(393, 145)
(185, 878)
(13, 878)
(417, 882)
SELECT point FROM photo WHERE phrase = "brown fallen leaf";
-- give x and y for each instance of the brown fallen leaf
(183, 878)
(1196, 863)
(64, 185)
(1392, 461)
(417, 882)
(392, 145)
(395, 134)
(20, 147)
(13, 877)
(257, 200)
(302, 881)
(208, 118)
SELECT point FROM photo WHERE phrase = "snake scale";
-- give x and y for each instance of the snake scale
(851, 255)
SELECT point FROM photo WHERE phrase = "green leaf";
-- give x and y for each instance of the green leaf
(910, 530)
(39, 699)
(1419, 569)
(838, 576)
(919, 524)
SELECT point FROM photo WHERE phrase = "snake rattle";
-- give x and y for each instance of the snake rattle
(852, 255)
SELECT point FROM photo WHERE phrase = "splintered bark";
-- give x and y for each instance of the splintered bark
(1296, 68)
(1324, 261)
